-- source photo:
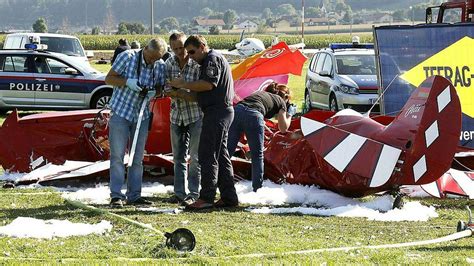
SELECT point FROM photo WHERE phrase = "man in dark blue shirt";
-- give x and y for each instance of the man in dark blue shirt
(215, 90)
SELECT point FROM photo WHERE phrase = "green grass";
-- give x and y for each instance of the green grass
(227, 233)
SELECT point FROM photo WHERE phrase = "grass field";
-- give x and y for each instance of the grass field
(221, 234)
(224, 235)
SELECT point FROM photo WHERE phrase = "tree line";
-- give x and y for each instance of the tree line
(21, 14)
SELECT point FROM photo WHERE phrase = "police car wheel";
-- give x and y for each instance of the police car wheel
(101, 100)
(307, 101)
(333, 103)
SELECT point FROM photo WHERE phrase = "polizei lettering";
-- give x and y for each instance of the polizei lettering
(31, 87)
(459, 76)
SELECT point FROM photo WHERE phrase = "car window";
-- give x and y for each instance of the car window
(327, 64)
(57, 67)
(12, 42)
(452, 15)
(356, 64)
(15, 64)
(41, 65)
(68, 46)
(312, 66)
(319, 64)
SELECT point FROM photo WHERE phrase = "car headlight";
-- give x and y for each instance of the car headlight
(347, 89)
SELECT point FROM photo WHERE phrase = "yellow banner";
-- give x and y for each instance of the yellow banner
(456, 63)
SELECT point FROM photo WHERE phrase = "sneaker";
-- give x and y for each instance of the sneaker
(199, 205)
(140, 201)
(173, 199)
(188, 201)
(116, 203)
(222, 204)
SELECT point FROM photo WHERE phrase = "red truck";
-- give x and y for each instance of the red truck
(451, 11)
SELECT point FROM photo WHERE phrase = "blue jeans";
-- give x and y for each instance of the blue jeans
(121, 132)
(250, 122)
(185, 139)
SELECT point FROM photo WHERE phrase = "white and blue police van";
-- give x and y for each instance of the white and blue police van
(37, 79)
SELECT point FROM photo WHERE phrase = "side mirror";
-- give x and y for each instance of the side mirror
(89, 54)
(325, 73)
(70, 71)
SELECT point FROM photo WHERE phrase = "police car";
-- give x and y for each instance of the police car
(342, 76)
(35, 79)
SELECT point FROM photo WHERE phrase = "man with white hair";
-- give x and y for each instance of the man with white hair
(132, 72)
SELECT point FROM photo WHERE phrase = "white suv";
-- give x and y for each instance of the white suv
(57, 43)
(343, 76)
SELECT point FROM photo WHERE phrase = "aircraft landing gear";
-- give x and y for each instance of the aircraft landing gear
(464, 226)
(398, 201)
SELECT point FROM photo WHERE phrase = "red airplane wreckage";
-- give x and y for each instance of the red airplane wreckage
(346, 152)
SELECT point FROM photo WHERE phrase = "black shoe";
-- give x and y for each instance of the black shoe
(116, 203)
(140, 201)
(173, 199)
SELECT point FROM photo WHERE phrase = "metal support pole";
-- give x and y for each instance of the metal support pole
(152, 21)
(302, 21)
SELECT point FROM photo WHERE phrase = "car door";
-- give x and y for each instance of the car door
(62, 86)
(321, 90)
(326, 76)
(16, 81)
(311, 79)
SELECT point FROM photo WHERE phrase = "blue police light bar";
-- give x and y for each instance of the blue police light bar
(31, 46)
(335, 46)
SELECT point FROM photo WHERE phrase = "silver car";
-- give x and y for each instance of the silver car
(31, 79)
(343, 76)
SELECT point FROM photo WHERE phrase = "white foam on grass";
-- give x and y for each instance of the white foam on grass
(27, 227)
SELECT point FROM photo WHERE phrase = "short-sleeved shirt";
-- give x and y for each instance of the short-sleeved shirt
(183, 112)
(216, 70)
(119, 50)
(268, 104)
(125, 102)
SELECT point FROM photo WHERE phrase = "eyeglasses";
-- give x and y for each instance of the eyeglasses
(191, 52)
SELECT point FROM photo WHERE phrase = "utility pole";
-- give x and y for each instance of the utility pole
(86, 15)
(302, 21)
(152, 22)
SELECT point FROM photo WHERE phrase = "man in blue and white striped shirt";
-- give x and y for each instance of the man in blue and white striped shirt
(132, 72)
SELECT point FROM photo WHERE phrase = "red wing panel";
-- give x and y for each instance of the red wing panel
(448, 185)
(453, 182)
(277, 60)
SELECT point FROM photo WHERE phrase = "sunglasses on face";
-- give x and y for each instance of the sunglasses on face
(191, 52)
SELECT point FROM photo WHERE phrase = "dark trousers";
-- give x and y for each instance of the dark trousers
(216, 167)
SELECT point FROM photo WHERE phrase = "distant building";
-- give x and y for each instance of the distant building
(247, 24)
(315, 21)
(204, 24)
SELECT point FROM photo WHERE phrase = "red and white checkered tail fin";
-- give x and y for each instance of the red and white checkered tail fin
(427, 130)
